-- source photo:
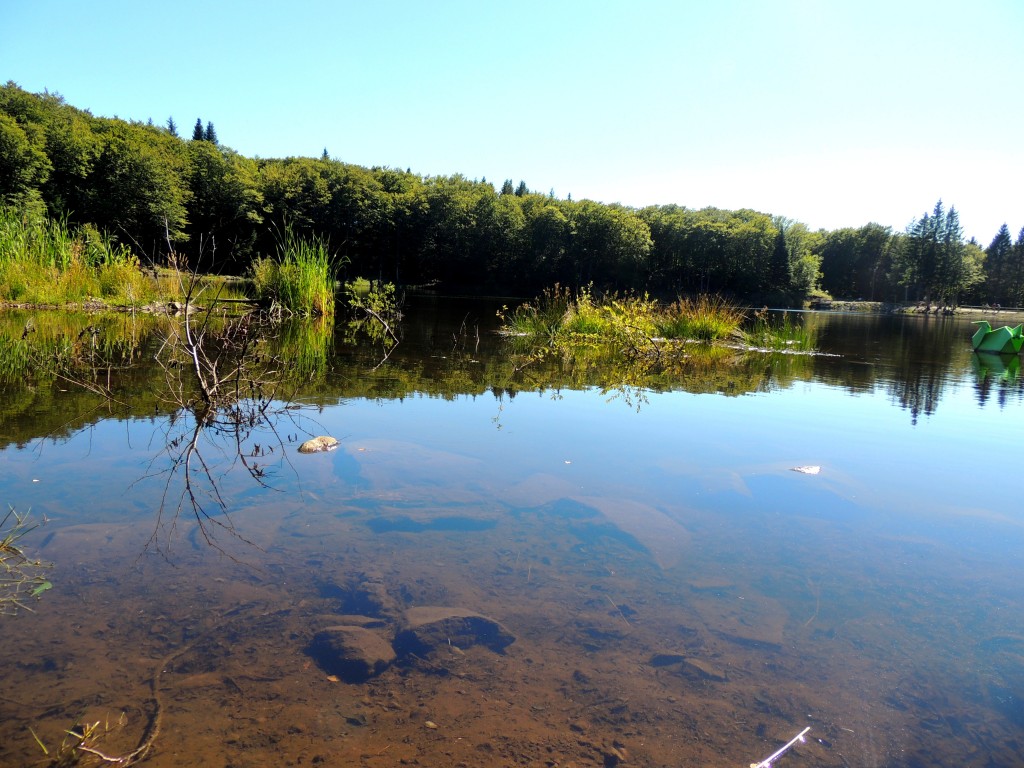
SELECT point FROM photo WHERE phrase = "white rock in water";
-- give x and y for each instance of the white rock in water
(318, 445)
(811, 470)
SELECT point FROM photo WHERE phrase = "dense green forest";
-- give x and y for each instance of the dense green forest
(145, 185)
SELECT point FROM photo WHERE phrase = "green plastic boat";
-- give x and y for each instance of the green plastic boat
(1004, 340)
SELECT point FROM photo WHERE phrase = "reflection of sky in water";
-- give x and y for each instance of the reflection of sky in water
(682, 449)
(947, 475)
(905, 547)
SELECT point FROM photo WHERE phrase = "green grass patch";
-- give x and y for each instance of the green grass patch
(300, 278)
(781, 332)
(44, 261)
(705, 318)
(559, 316)
(682, 336)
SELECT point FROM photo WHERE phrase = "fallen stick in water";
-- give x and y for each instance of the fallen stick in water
(766, 763)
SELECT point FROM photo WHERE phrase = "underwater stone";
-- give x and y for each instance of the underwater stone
(431, 628)
(319, 445)
(354, 654)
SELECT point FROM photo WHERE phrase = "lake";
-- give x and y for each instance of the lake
(509, 561)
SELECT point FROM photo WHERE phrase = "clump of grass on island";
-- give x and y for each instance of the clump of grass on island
(783, 334)
(300, 278)
(558, 316)
(705, 318)
(637, 324)
(541, 318)
(44, 261)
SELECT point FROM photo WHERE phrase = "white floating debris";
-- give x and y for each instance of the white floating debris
(808, 470)
(766, 763)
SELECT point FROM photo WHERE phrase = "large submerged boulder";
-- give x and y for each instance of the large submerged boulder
(431, 628)
(352, 653)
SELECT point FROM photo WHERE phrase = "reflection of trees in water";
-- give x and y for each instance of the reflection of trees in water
(449, 350)
(218, 389)
(923, 356)
(913, 358)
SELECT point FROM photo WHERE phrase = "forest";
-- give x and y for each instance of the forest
(152, 190)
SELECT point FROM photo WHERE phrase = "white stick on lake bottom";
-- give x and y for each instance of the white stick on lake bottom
(766, 763)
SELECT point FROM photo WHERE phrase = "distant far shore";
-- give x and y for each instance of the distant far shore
(1003, 314)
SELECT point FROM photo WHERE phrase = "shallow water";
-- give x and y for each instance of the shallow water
(679, 596)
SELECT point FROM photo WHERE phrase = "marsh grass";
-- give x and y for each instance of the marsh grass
(44, 261)
(563, 318)
(171, 287)
(541, 318)
(300, 278)
(783, 333)
(705, 318)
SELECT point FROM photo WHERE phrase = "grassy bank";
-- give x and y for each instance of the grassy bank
(44, 262)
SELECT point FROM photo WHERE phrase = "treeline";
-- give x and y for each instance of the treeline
(147, 186)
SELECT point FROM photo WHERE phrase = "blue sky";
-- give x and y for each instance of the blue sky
(831, 113)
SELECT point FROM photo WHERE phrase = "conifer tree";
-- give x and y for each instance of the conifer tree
(999, 267)
(197, 132)
(209, 134)
(172, 127)
(934, 256)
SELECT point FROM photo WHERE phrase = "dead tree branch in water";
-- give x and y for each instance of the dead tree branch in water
(223, 388)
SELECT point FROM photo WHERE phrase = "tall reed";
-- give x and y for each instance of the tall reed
(780, 332)
(705, 318)
(300, 278)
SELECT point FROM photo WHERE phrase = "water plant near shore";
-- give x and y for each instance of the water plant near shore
(782, 334)
(21, 577)
(300, 278)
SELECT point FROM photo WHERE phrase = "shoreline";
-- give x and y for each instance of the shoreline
(1015, 314)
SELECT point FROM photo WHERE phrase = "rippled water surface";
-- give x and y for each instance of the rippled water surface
(678, 594)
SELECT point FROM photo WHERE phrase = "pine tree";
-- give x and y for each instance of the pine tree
(506, 188)
(934, 256)
(999, 267)
(325, 156)
(521, 190)
(172, 127)
(209, 134)
(197, 132)
(1016, 272)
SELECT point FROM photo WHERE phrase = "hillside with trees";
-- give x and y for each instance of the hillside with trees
(149, 188)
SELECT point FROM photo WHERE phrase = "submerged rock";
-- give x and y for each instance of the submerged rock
(354, 654)
(689, 665)
(432, 628)
(319, 445)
